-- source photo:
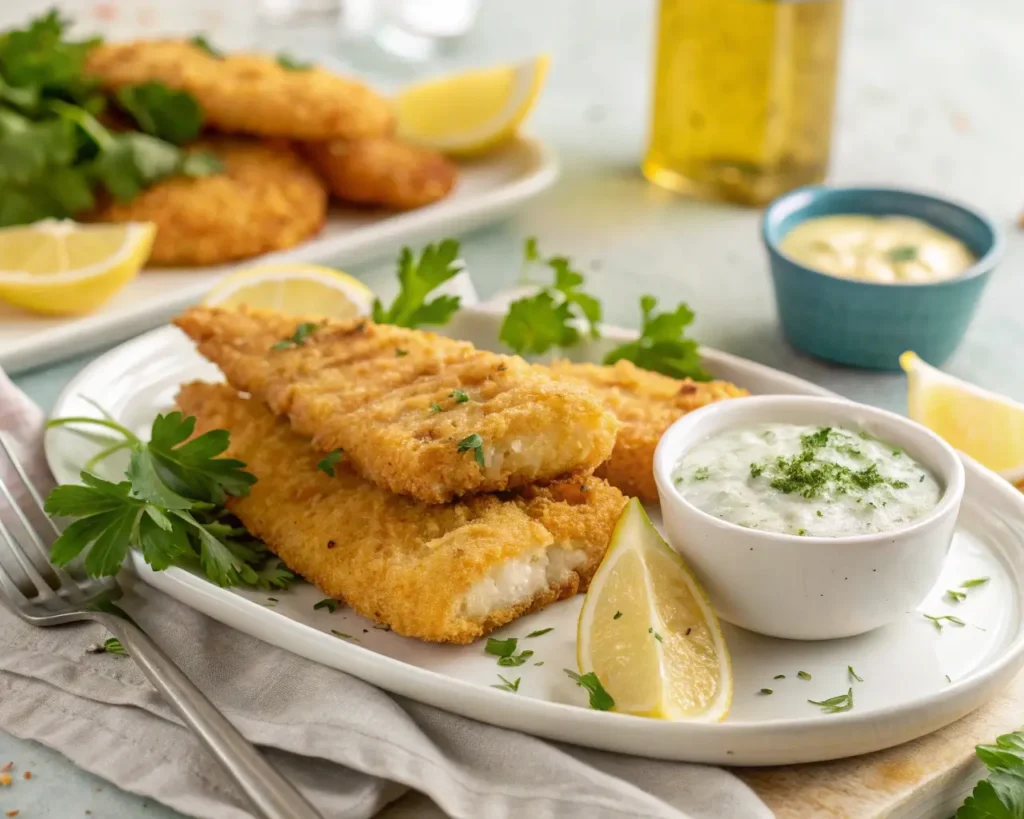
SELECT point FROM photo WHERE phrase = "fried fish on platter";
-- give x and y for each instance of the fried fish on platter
(445, 573)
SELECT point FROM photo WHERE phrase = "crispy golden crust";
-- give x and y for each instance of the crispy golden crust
(382, 171)
(399, 562)
(267, 199)
(248, 93)
(646, 404)
(369, 389)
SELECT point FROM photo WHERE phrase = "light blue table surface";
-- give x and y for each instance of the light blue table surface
(930, 99)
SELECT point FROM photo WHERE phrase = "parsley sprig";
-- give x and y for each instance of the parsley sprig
(548, 319)
(55, 154)
(505, 651)
(1001, 795)
(417, 279)
(663, 346)
(600, 700)
(170, 508)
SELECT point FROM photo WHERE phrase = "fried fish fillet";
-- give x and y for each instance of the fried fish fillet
(382, 171)
(646, 404)
(415, 413)
(446, 573)
(248, 93)
(267, 198)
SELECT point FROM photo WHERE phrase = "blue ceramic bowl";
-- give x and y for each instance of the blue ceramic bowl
(866, 324)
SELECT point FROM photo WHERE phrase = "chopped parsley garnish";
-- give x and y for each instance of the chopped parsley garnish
(531, 253)
(846, 449)
(514, 660)
(475, 443)
(537, 323)
(435, 408)
(803, 675)
(806, 475)
(701, 474)
(344, 636)
(400, 353)
(110, 646)
(459, 396)
(663, 346)
(977, 581)
(539, 632)
(540, 663)
(326, 464)
(506, 685)
(290, 64)
(765, 691)
(170, 508)
(835, 705)
(938, 620)
(617, 615)
(600, 700)
(902, 253)
(820, 515)
(852, 673)
(779, 677)
(302, 333)
(801, 532)
(656, 635)
(202, 43)
(948, 679)
(956, 596)
(327, 603)
(417, 279)
(501, 648)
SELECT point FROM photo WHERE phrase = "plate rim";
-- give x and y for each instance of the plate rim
(619, 732)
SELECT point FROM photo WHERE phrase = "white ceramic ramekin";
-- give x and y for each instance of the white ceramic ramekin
(810, 588)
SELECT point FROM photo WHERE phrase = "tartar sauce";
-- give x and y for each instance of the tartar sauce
(885, 249)
(805, 480)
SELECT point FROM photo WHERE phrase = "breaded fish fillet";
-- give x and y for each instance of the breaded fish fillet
(447, 573)
(268, 198)
(382, 171)
(416, 413)
(248, 93)
(646, 404)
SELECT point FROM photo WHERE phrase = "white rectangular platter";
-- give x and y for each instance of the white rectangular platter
(488, 189)
(916, 679)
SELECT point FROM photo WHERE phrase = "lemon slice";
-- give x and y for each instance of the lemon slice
(648, 631)
(472, 112)
(64, 268)
(985, 425)
(295, 289)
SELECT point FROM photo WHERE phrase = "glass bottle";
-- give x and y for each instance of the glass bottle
(743, 96)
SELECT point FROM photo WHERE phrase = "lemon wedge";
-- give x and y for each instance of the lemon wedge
(987, 426)
(60, 267)
(470, 113)
(648, 631)
(295, 289)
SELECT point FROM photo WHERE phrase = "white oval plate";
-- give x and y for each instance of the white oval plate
(916, 678)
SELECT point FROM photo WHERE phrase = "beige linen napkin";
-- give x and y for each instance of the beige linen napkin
(350, 747)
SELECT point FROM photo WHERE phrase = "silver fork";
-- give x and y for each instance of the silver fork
(45, 595)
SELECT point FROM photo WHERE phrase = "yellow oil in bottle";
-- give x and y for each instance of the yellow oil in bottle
(743, 96)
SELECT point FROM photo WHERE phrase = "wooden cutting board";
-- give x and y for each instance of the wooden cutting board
(924, 779)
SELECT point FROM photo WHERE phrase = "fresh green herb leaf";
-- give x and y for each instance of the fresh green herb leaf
(977, 581)
(852, 673)
(756, 470)
(171, 115)
(801, 532)
(514, 660)
(344, 636)
(600, 700)
(400, 353)
(475, 443)
(459, 396)
(501, 648)
(938, 620)
(201, 42)
(835, 705)
(902, 253)
(110, 646)
(290, 64)
(530, 251)
(803, 675)
(540, 663)
(302, 333)
(327, 603)
(508, 686)
(435, 408)
(956, 596)
(539, 632)
(537, 323)
(701, 474)
(617, 615)
(663, 346)
(765, 691)
(779, 677)
(1001, 795)
(436, 265)
(327, 463)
